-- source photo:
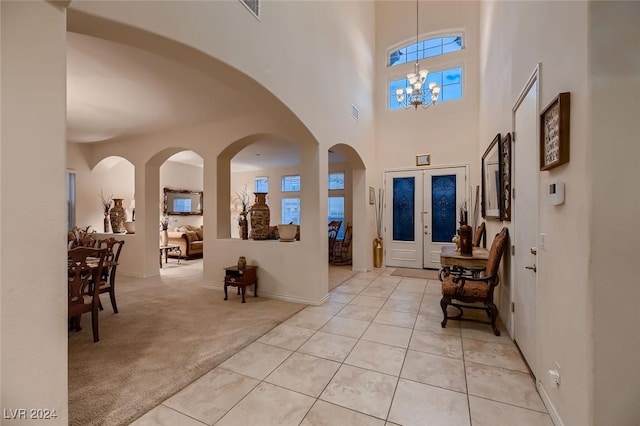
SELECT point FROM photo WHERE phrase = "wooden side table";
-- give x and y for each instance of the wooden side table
(241, 278)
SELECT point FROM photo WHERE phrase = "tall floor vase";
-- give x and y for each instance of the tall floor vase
(260, 217)
(118, 217)
(377, 252)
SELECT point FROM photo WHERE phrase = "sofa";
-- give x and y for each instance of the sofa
(190, 240)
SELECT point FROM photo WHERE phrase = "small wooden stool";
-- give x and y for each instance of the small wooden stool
(241, 278)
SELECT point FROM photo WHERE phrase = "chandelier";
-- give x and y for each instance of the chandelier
(417, 93)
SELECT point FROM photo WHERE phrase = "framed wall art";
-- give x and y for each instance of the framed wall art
(505, 172)
(491, 180)
(554, 133)
(423, 159)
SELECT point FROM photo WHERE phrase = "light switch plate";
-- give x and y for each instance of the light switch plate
(542, 242)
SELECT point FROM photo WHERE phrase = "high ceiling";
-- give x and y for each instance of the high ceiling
(115, 91)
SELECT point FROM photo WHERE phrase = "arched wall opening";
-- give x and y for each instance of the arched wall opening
(344, 158)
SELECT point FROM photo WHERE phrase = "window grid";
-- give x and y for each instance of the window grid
(291, 183)
(261, 184)
(425, 49)
(291, 210)
(336, 180)
(449, 80)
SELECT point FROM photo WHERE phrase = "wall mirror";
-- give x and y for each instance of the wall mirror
(491, 180)
(182, 202)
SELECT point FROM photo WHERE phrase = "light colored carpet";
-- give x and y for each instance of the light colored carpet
(416, 273)
(339, 274)
(169, 332)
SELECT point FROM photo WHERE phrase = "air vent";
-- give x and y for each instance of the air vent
(354, 112)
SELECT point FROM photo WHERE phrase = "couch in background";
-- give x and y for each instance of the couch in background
(190, 240)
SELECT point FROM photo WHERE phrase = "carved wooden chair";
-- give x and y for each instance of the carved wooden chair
(83, 295)
(334, 228)
(108, 276)
(466, 290)
(342, 248)
(479, 236)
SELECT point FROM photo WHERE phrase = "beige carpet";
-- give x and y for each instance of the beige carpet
(416, 273)
(169, 332)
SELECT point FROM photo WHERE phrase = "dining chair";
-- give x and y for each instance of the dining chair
(334, 228)
(475, 292)
(83, 295)
(108, 275)
(342, 248)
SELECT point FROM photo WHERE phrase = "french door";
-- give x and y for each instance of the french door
(420, 214)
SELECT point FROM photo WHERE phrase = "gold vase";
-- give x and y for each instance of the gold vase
(377, 252)
(260, 217)
(117, 216)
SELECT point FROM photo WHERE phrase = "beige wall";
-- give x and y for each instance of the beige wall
(614, 164)
(33, 308)
(581, 323)
(449, 130)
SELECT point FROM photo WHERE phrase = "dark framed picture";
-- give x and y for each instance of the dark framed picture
(492, 181)
(554, 133)
(505, 172)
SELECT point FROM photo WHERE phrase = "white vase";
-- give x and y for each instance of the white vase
(164, 235)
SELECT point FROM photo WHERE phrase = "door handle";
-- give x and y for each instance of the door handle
(534, 251)
(533, 268)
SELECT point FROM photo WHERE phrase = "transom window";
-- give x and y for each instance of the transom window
(291, 184)
(425, 49)
(449, 80)
(261, 184)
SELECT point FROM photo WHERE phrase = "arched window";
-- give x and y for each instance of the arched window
(425, 49)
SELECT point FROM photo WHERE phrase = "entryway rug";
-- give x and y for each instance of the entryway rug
(169, 332)
(416, 273)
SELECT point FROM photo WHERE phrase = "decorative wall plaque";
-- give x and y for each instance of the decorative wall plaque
(505, 170)
(554, 133)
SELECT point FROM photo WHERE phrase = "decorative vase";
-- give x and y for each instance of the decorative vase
(242, 262)
(260, 217)
(164, 235)
(466, 247)
(243, 225)
(377, 252)
(105, 222)
(118, 217)
(130, 227)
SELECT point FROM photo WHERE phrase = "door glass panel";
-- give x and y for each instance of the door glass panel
(404, 209)
(443, 202)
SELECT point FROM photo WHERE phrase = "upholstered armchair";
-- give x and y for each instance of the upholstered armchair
(464, 292)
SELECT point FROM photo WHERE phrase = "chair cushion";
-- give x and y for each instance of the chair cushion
(477, 289)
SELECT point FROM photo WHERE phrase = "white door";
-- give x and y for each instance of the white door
(525, 218)
(414, 230)
(444, 192)
(403, 225)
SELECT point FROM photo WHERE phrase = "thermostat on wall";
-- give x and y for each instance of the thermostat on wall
(555, 192)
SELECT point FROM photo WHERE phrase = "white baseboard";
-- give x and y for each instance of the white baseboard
(553, 413)
(295, 299)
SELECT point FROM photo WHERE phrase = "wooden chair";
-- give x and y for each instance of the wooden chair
(342, 248)
(108, 276)
(478, 238)
(84, 296)
(466, 290)
(334, 228)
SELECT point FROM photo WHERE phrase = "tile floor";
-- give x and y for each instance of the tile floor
(374, 354)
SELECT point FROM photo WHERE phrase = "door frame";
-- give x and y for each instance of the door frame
(535, 78)
(423, 170)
